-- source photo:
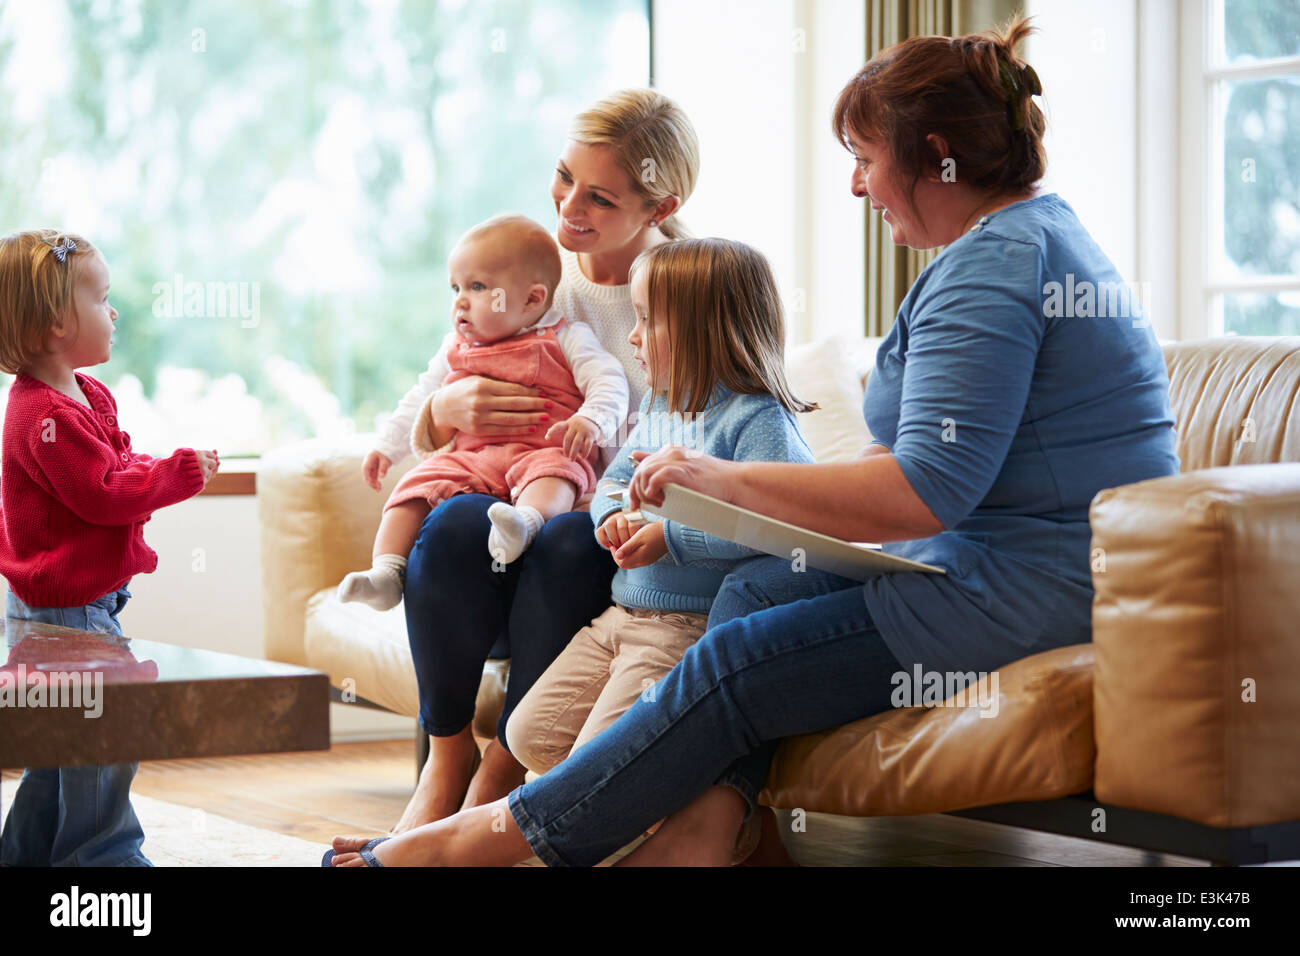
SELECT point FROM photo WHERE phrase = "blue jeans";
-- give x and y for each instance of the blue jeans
(786, 653)
(74, 816)
(459, 610)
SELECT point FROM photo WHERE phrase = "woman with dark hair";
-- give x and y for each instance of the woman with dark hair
(997, 416)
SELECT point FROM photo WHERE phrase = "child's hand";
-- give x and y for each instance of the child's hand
(580, 435)
(615, 531)
(374, 468)
(209, 463)
(646, 547)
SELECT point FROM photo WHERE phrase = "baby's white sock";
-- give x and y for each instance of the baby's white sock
(513, 530)
(380, 587)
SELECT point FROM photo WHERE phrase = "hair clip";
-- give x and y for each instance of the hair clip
(61, 250)
(1014, 82)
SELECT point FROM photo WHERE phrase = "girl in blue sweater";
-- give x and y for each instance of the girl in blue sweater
(710, 337)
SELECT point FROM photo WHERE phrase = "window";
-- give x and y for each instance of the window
(1242, 263)
(276, 186)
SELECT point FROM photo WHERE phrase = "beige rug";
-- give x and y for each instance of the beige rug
(184, 836)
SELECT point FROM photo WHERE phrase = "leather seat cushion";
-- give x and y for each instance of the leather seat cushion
(1039, 746)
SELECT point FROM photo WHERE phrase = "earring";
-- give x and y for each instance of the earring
(653, 223)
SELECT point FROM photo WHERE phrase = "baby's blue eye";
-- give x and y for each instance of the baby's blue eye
(479, 287)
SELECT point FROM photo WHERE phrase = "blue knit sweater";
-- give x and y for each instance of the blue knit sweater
(735, 427)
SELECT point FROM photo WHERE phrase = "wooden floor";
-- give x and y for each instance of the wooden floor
(361, 788)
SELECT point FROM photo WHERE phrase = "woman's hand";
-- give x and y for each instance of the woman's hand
(487, 406)
(674, 465)
(374, 468)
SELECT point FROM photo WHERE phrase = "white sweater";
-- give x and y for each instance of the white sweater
(606, 309)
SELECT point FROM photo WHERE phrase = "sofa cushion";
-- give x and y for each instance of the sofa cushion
(318, 521)
(1236, 401)
(830, 372)
(352, 642)
(369, 647)
(930, 760)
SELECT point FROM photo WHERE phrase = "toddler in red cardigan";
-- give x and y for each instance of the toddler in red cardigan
(74, 498)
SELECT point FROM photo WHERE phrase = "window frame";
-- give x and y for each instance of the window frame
(1203, 79)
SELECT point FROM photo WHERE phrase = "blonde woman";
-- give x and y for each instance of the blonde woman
(630, 162)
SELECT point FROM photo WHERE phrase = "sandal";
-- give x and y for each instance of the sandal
(365, 853)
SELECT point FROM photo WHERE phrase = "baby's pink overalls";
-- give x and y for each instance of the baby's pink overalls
(503, 465)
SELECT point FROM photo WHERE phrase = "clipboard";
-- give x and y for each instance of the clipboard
(822, 551)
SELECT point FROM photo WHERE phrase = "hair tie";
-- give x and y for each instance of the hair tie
(61, 250)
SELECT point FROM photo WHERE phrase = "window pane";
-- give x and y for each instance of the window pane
(1261, 179)
(276, 186)
(1261, 29)
(1251, 314)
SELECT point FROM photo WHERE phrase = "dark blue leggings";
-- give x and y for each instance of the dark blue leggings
(459, 611)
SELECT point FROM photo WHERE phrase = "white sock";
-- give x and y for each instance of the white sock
(380, 587)
(513, 530)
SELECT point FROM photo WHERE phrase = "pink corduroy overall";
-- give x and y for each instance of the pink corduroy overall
(503, 465)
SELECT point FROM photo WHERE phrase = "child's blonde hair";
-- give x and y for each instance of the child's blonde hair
(36, 290)
(531, 250)
(725, 321)
(654, 142)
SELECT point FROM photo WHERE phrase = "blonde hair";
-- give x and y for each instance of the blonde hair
(654, 142)
(530, 251)
(725, 321)
(36, 291)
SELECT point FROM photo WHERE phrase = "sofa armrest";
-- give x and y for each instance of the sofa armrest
(1197, 690)
(318, 521)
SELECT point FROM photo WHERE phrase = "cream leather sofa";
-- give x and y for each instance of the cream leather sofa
(1178, 728)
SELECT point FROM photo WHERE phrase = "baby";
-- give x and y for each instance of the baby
(503, 278)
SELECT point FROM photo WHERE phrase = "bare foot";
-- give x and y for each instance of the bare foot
(497, 776)
(770, 850)
(703, 833)
(443, 781)
(483, 836)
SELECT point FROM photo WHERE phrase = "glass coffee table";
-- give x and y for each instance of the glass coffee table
(70, 697)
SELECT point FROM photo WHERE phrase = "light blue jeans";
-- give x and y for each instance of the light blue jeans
(74, 816)
(787, 652)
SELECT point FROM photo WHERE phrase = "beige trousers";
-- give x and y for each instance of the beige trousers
(605, 668)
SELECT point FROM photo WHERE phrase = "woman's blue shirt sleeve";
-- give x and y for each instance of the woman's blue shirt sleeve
(970, 357)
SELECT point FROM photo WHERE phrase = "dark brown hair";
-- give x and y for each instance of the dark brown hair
(725, 321)
(973, 91)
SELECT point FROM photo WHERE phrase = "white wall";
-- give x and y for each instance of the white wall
(1111, 132)
(1085, 54)
(758, 79)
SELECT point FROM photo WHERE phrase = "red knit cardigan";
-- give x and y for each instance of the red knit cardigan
(74, 497)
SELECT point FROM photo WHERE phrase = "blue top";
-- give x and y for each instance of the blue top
(735, 427)
(1019, 380)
